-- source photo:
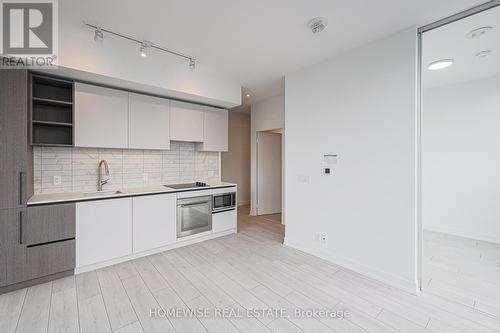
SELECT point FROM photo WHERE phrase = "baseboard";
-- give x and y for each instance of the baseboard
(189, 241)
(464, 234)
(384, 277)
(40, 280)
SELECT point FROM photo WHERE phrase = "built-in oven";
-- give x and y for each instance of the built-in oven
(194, 215)
(223, 201)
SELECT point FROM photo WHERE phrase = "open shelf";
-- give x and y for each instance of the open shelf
(51, 123)
(50, 101)
(52, 134)
(52, 111)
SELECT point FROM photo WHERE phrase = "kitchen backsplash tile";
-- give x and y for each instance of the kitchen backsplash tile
(128, 168)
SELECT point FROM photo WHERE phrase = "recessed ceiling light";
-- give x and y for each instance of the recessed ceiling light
(479, 32)
(317, 24)
(440, 64)
(247, 95)
(483, 54)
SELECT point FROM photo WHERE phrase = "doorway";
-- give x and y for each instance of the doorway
(460, 141)
(269, 174)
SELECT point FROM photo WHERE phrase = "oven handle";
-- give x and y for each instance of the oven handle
(194, 203)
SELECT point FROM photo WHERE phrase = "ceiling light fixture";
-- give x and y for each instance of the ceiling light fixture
(440, 64)
(98, 35)
(483, 54)
(145, 46)
(247, 95)
(317, 24)
(478, 32)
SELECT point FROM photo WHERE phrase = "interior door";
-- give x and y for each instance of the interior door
(269, 171)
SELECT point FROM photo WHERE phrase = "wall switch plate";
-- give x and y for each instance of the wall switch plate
(56, 180)
(145, 177)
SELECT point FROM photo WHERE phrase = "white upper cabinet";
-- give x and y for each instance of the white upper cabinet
(186, 122)
(215, 130)
(149, 122)
(101, 117)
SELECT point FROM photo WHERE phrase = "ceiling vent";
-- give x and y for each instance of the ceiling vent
(317, 24)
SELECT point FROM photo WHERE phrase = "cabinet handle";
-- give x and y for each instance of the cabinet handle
(21, 222)
(195, 203)
(21, 188)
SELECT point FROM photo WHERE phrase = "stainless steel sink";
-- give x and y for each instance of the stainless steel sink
(101, 193)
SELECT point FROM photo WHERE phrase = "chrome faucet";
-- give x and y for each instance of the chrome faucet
(100, 181)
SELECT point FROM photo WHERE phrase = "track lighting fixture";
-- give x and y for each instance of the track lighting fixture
(98, 35)
(144, 48)
(144, 45)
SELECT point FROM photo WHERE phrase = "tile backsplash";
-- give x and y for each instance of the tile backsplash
(77, 167)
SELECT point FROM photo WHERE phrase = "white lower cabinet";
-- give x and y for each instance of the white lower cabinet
(103, 230)
(154, 221)
(223, 221)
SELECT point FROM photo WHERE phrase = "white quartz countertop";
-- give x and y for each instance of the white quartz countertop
(40, 199)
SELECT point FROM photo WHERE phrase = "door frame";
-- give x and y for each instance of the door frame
(282, 133)
(419, 119)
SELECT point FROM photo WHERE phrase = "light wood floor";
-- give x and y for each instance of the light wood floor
(462, 270)
(249, 270)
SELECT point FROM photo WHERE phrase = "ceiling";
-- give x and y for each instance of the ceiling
(451, 42)
(257, 42)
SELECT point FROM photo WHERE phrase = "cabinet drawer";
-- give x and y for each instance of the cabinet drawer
(50, 223)
(50, 258)
(222, 221)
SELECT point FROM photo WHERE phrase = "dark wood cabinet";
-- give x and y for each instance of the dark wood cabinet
(35, 243)
(48, 259)
(50, 223)
(14, 152)
(12, 246)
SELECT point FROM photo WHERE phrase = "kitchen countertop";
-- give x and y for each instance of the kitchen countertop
(41, 199)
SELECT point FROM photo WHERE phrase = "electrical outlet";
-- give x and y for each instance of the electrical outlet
(56, 180)
(323, 238)
(145, 177)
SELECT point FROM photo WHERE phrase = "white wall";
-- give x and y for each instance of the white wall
(461, 159)
(235, 164)
(159, 73)
(362, 106)
(265, 115)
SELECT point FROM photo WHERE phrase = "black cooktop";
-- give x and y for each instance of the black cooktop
(187, 185)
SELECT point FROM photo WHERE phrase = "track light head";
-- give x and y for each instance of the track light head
(192, 64)
(145, 48)
(98, 35)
